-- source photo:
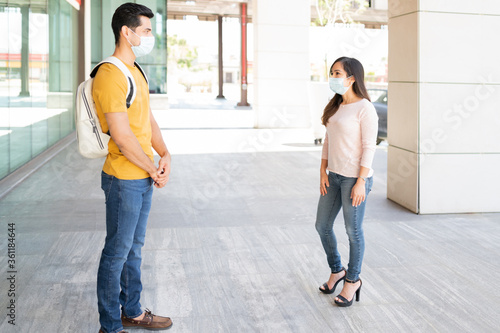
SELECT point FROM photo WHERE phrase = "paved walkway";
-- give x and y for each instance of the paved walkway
(231, 247)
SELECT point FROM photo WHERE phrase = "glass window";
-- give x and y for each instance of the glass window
(37, 78)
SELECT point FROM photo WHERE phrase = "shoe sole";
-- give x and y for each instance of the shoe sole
(149, 329)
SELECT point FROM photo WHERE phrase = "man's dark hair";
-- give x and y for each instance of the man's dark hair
(128, 14)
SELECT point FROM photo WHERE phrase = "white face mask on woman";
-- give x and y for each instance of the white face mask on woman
(337, 85)
(147, 44)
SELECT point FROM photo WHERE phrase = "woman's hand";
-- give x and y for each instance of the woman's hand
(358, 193)
(324, 183)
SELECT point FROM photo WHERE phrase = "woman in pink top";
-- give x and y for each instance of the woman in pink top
(346, 175)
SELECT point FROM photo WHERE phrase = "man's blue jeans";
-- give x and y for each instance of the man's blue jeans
(338, 196)
(119, 276)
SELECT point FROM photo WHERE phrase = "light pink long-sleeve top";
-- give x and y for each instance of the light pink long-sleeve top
(351, 139)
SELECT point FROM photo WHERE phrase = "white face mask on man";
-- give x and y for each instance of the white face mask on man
(145, 47)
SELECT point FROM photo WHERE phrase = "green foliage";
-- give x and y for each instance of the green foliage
(180, 52)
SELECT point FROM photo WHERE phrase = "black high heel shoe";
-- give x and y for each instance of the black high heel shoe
(325, 285)
(345, 303)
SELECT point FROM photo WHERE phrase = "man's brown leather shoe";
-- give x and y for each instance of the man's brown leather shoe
(149, 322)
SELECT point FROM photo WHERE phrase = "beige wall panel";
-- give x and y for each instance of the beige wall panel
(402, 122)
(402, 178)
(402, 7)
(403, 48)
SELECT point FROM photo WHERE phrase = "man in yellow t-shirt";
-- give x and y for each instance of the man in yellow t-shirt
(129, 174)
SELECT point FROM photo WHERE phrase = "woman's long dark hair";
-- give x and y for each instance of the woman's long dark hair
(352, 67)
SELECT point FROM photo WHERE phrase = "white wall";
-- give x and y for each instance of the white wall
(444, 120)
(281, 63)
(380, 4)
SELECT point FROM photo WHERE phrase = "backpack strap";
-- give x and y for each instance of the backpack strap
(131, 88)
(142, 72)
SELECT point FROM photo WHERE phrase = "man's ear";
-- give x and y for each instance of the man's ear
(124, 31)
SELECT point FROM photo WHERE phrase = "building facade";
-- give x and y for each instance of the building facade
(37, 78)
(443, 84)
(42, 61)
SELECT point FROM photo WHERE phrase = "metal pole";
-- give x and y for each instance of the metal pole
(25, 46)
(221, 67)
(81, 42)
(244, 85)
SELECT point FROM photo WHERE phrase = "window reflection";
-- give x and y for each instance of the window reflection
(37, 78)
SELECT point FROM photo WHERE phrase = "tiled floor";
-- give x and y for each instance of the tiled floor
(231, 247)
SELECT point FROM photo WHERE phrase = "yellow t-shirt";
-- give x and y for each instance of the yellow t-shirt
(109, 93)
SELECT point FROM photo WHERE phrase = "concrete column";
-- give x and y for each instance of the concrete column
(281, 63)
(444, 119)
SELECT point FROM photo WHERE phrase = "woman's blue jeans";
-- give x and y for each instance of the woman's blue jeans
(119, 276)
(338, 196)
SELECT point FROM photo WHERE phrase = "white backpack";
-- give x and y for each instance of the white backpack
(92, 142)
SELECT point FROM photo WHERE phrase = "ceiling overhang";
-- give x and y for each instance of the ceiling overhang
(209, 10)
